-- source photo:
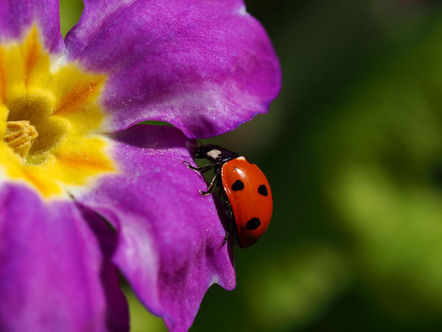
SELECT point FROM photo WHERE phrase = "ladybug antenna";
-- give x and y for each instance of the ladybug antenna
(192, 145)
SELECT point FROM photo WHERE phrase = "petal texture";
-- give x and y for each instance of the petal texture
(53, 275)
(203, 66)
(171, 239)
(17, 17)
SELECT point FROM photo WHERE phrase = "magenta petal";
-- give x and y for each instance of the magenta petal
(17, 16)
(53, 275)
(203, 66)
(171, 239)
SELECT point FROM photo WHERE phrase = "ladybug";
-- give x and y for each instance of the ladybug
(247, 192)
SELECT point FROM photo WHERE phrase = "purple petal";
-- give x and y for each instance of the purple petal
(53, 275)
(17, 17)
(203, 66)
(171, 239)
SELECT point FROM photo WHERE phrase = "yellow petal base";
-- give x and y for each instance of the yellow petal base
(50, 117)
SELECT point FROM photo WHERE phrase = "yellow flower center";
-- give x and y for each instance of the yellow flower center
(50, 117)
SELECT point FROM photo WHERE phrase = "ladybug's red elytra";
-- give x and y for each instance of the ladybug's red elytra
(246, 189)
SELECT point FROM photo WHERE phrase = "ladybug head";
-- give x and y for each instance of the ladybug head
(213, 152)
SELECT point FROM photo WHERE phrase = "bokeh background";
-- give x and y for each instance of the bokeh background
(353, 151)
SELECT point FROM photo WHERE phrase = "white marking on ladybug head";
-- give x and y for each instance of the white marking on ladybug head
(215, 153)
(241, 158)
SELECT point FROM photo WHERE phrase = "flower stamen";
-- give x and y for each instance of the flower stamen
(20, 136)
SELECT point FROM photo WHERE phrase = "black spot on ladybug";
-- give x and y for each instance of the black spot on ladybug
(253, 223)
(238, 185)
(262, 189)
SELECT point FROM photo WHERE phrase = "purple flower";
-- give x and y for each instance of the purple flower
(84, 192)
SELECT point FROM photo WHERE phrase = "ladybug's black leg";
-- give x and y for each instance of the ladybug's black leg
(201, 169)
(227, 236)
(230, 222)
(212, 186)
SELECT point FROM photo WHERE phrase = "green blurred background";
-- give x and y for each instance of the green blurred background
(353, 150)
